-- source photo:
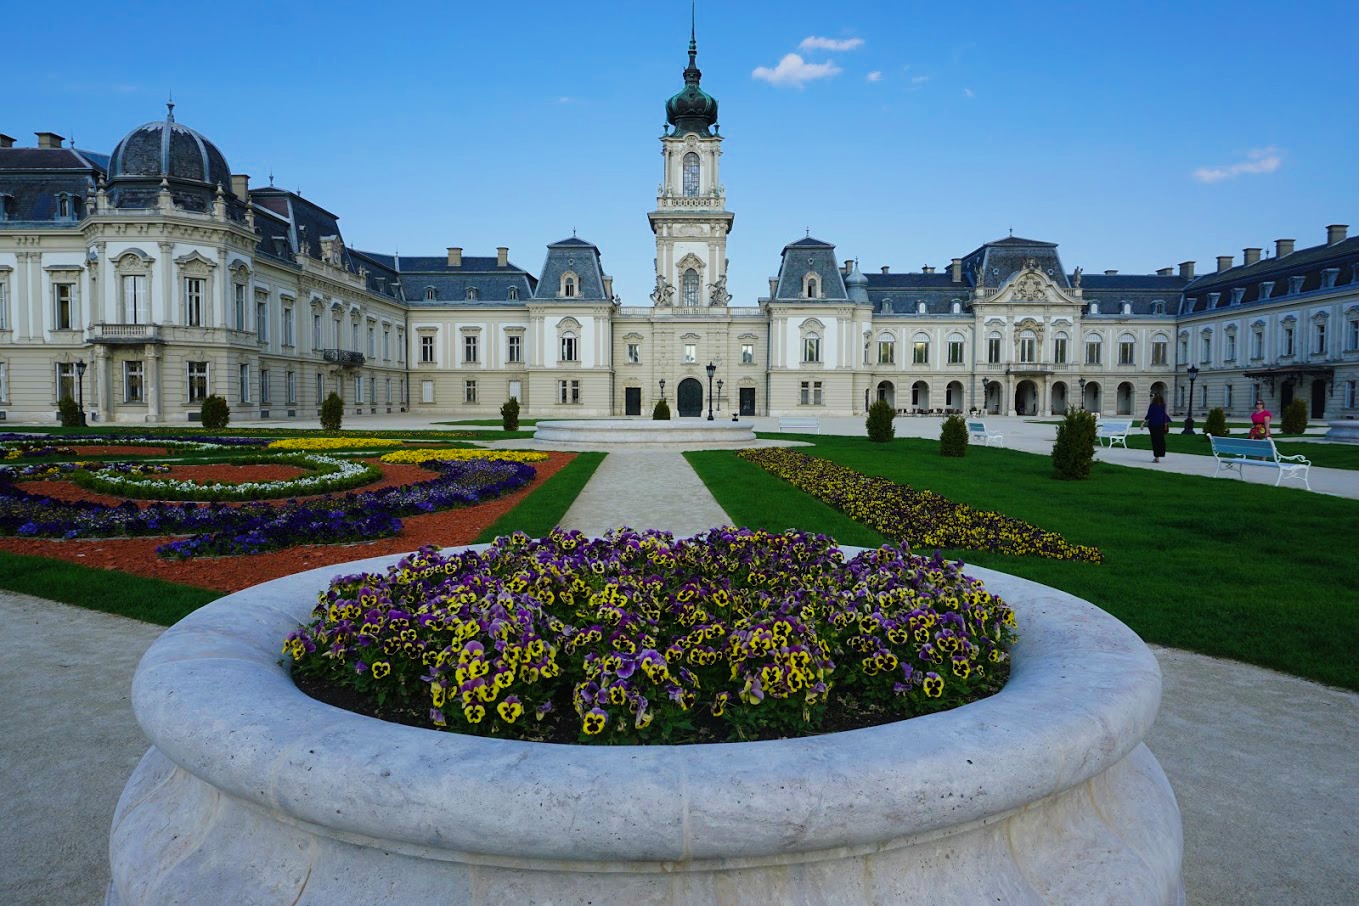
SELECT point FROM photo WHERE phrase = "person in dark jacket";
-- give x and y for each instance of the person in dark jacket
(1158, 423)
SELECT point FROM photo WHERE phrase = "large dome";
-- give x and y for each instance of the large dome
(166, 148)
(692, 109)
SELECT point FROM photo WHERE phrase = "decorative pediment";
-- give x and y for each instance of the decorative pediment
(195, 263)
(690, 336)
(568, 324)
(134, 261)
(748, 336)
(1030, 286)
(634, 335)
(690, 261)
(813, 324)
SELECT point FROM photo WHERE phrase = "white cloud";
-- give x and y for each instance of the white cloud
(566, 100)
(795, 71)
(969, 93)
(1258, 160)
(812, 42)
(919, 80)
(875, 76)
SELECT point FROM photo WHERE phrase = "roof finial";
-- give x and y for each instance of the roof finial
(573, 232)
(809, 232)
(271, 177)
(1012, 231)
(170, 108)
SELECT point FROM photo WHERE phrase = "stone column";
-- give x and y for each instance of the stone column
(23, 305)
(1043, 396)
(1007, 403)
(103, 381)
(153, 413)
(167, 296)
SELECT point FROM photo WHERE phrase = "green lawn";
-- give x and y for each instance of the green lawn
(149, 600)
(1238, 570)
(543, 509)
(1330, 456)
(114, 431)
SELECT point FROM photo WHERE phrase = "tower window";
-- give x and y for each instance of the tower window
(568, 287)
(691, 174)
(690, 287)
(811, 288)
(431, 294)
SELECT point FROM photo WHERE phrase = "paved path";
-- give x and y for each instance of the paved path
(645, 489)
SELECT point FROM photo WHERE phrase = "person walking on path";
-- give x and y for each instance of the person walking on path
(1158, 423)
(1259, 421)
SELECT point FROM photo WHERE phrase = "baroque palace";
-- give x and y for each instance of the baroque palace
(169, 278)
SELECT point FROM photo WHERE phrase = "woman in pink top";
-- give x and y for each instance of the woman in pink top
(1259, 420)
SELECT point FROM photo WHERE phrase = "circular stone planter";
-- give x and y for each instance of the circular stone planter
(601, 431)
(255, 793)
(1345, 430)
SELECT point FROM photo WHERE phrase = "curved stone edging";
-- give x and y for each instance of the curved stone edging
(1044, 789)
(645, 431)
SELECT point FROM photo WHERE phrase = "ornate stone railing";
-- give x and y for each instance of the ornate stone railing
(124, 333)
(345, 358)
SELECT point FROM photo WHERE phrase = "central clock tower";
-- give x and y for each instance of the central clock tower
(691, 222)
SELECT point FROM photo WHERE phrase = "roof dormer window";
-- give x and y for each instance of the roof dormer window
(1127, 308)
(809, 286)
(1158, 307)
(1238, 293)
(887, 306)
(920, 308)
(1266, 289)
(1214, 299)
(513, 294)
(473, 294)
(1328, 277)
(1295, 284)
(431, 294)
(570, 287)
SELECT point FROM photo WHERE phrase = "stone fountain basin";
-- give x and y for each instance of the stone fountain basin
(253, 792)
(716, 433)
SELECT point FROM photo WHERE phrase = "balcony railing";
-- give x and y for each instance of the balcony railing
(345, 358)
(114, 334)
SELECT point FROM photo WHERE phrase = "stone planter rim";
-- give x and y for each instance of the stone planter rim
(212, 696)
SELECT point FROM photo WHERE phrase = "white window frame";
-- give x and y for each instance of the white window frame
(514, 349)
(243, 382)
(469, 392)
(195, 294)
(134, 368)
(747, 353)
(635, 353)
(197, 381)
(427, 356)
(471, 349)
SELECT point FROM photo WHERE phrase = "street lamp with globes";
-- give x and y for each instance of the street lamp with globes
(1193, 372)
(80, 388)
(711, 369)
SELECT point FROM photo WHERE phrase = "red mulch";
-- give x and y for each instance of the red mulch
(114, 450)
(138, 555)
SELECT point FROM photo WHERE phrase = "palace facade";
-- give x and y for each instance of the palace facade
(143, 280)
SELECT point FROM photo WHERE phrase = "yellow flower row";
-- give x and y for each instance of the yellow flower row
(332, 443)
(425, 455)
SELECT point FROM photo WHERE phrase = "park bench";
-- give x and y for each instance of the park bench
(984, 435)
(1113, 432)
(1236, 452)
(800, 423)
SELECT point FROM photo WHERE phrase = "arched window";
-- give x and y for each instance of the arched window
(811, 287)
(1059, 348)
(690, 285)
(431, 294)
(513, 294)
(569, 286)
(691, 174)
(472, 294)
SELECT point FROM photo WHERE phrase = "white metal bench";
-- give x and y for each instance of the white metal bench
(1236, 452)
(984, 435)
(1113, 432)
(800, 423)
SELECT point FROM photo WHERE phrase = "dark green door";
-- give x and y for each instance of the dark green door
(632, 400)
(690, 398)
(747, 400)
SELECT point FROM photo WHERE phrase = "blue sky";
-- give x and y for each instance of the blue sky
(1134, 135)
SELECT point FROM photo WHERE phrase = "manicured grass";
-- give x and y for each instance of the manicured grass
(543, 509)
(172, 431)
(1237, 570)
(492, 422)
(149, 600)
(1329, 456)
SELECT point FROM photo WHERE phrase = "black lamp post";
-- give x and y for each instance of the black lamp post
(719, 393)
(1081, 383)
(986, 392)
(1193, 372)
(80, 389)
(711, 369)
(662, 389)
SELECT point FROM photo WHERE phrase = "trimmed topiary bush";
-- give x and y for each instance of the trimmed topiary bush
(880, 428)
(953, 437)
(68, 413)
(332, 412)
(1216, 423)
(662, 412)
(1295, 417)
(1074, 451)
(215, 414)
(509, 415)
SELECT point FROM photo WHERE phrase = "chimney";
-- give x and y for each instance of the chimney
(926, 269)
(1250, 255)
(886, 268)
(240, 185)
(957, 268)
(6, 141)
(502, 256)
(1224, 263)
(1336, 232)
(49, 139)
(454, 257)
(1165, 272)
(1187, 270)
(1283, 247)
(1111, 272)
(773, 287)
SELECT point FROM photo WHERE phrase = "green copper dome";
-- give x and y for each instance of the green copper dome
(692, 109)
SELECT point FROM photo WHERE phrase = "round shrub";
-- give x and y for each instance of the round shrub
(953, 437)
(1074, 451)
(662, 411)
(215, 414)
(332, 412)
(1295, 417)
(1216, 423)
(879, 422)
(68, 413)
(509, 415)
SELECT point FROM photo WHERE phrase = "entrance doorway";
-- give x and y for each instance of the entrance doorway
(1285, 395)
(1059, 398)
(887, 393)
(1123, 399)
(747, 400)
(690, 398)
(1026, 398)
(632, 400)
(1318, 398)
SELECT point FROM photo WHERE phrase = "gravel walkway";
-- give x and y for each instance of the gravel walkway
(645, 489)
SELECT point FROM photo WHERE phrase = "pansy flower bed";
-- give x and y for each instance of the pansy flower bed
(34, 451)
(333, 443)
(426, 455)
(731, 635)
(920, 519)
(325, 474)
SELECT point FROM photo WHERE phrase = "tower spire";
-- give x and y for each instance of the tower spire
(170, 108)
(693, 40)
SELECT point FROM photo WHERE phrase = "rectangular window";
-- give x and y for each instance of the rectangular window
(1351, 388)
(288, 326)
(690, 353)
(291, 380)
(816, 393)
(748, 353)
(1206, 349)
(372, 342)
(358, 389)
(955, 352)
(197, 376)
(133, 382)
(136, 300)
(317, 341)
(426, 391)
(386, 346)
(401, 346)
(426, 349)
(66, 381)
(469, 391)
(320, 389)
(570, 352)
(1229, 353)
(1287, 341)
(389, 391)
(62, 294)
(354, 337)
(1158, 352)
(810, 394)
(243, 383)
(887, 352)
(4, 383)
(1059, 350)
(568, 392)
(265, 395)
(1227, 397)
(1257, 344)
(262, 319)
(1126, 351)
(469, 349)
(4, 305)
(1028, 350)
(239, 306)
(193, 301)
(635, 353)
(1319, 337)
(1351, 327)
(811, 349)
(920, 352)
(515, 349)
(1203, 396)
(993, 350)
(1092, 352)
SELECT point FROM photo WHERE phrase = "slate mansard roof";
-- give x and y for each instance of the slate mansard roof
(1303, 271)
(32, 181)
(805, 256)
